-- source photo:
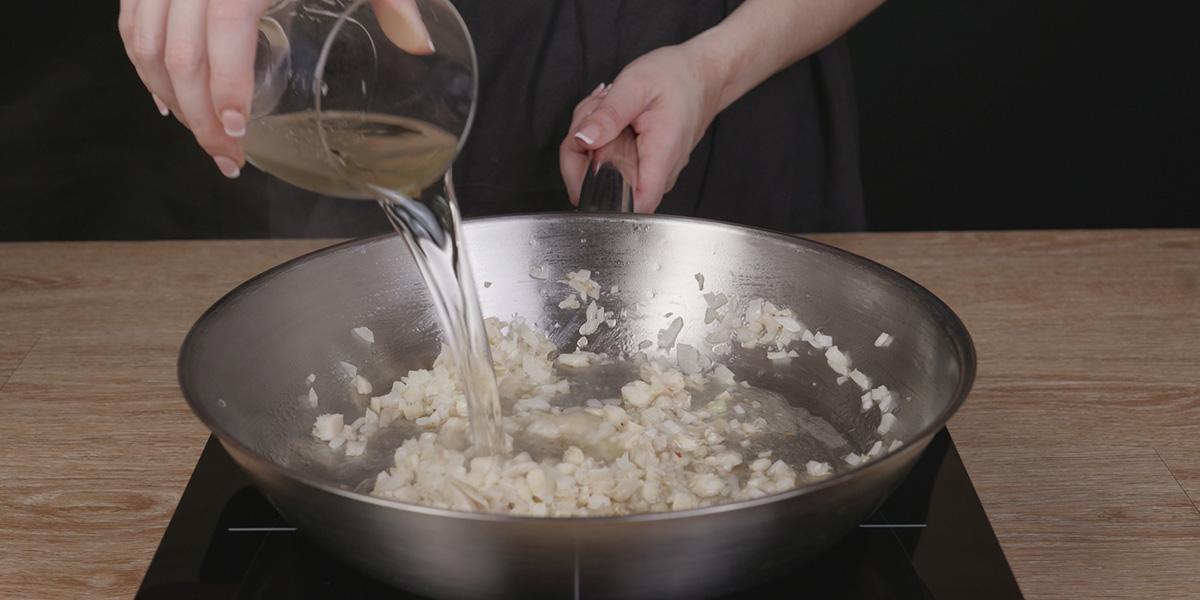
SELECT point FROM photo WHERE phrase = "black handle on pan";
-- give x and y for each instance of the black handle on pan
(611, 176)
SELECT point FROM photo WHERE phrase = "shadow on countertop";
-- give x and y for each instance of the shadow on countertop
(1016, 115)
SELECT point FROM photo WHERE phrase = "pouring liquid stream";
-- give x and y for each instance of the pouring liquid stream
(437, 247)
(398, 161)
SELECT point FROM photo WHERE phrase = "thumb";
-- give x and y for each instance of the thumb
(618, 108)
(401, 23)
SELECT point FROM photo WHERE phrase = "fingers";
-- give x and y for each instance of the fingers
(144, 30)
(402, 24)
(573, 159)
(660, 160)
(186, 60)
(608, 113)
(232, 36)
(662, 139)
(196, 59)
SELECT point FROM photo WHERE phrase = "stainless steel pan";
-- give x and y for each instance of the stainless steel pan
(246, 360)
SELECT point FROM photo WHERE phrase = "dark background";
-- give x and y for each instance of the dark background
(975, 115)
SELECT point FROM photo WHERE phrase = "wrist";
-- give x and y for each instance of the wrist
(725, 59)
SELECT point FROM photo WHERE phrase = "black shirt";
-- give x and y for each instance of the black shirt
(783, 157)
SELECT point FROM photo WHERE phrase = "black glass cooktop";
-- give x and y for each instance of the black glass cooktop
(931, 539)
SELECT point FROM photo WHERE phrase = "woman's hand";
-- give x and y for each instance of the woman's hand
(668, 96)
(197, 59)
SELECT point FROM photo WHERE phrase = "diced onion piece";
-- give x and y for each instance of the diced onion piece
(356, 448)
(817, 340)
(365, 333)
(576, 359)
(541, 272)
(688, 359)
(361, 385)
(861, 379)
(888, 403)
(817, 469)
(883, 340)
(886, 423)
(327, 426)
(666, 337)
(837, 361)
(595, 316)
(788, 323)
(722, 375)
(716, 300)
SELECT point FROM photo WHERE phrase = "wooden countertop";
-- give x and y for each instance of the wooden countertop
(1082, 433)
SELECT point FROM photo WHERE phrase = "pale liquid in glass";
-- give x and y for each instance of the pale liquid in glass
(365, 149)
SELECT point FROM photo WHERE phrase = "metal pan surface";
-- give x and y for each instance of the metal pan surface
(247, 359)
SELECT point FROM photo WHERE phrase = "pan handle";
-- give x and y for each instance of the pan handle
(611, 176)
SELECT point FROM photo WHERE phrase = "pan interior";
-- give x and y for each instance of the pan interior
(248, 365)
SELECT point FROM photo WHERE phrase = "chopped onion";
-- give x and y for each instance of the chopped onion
(862, 380)
(886, 423)
(327, 426)
(818, 469)
(666, 337)
(356, 448)
(649, 450)
(837, 361)
(883, 340)
(361, 385)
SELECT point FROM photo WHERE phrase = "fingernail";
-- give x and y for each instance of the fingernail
(588, 134)
(162, 108)
(234, 122)
(431, 48)
(598, 89)
(228, 166)
(604, 92)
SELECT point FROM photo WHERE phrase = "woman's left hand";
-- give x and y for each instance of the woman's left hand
(668, 96)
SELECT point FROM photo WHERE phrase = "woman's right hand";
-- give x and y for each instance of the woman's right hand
(197, 59)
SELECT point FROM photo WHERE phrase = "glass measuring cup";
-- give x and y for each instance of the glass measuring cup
(347, 105)
(341, 109)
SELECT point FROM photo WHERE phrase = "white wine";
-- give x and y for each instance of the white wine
(346, 154)
(441, 256)
(393, 159)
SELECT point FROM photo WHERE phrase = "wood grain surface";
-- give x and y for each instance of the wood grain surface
(1081, 435)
